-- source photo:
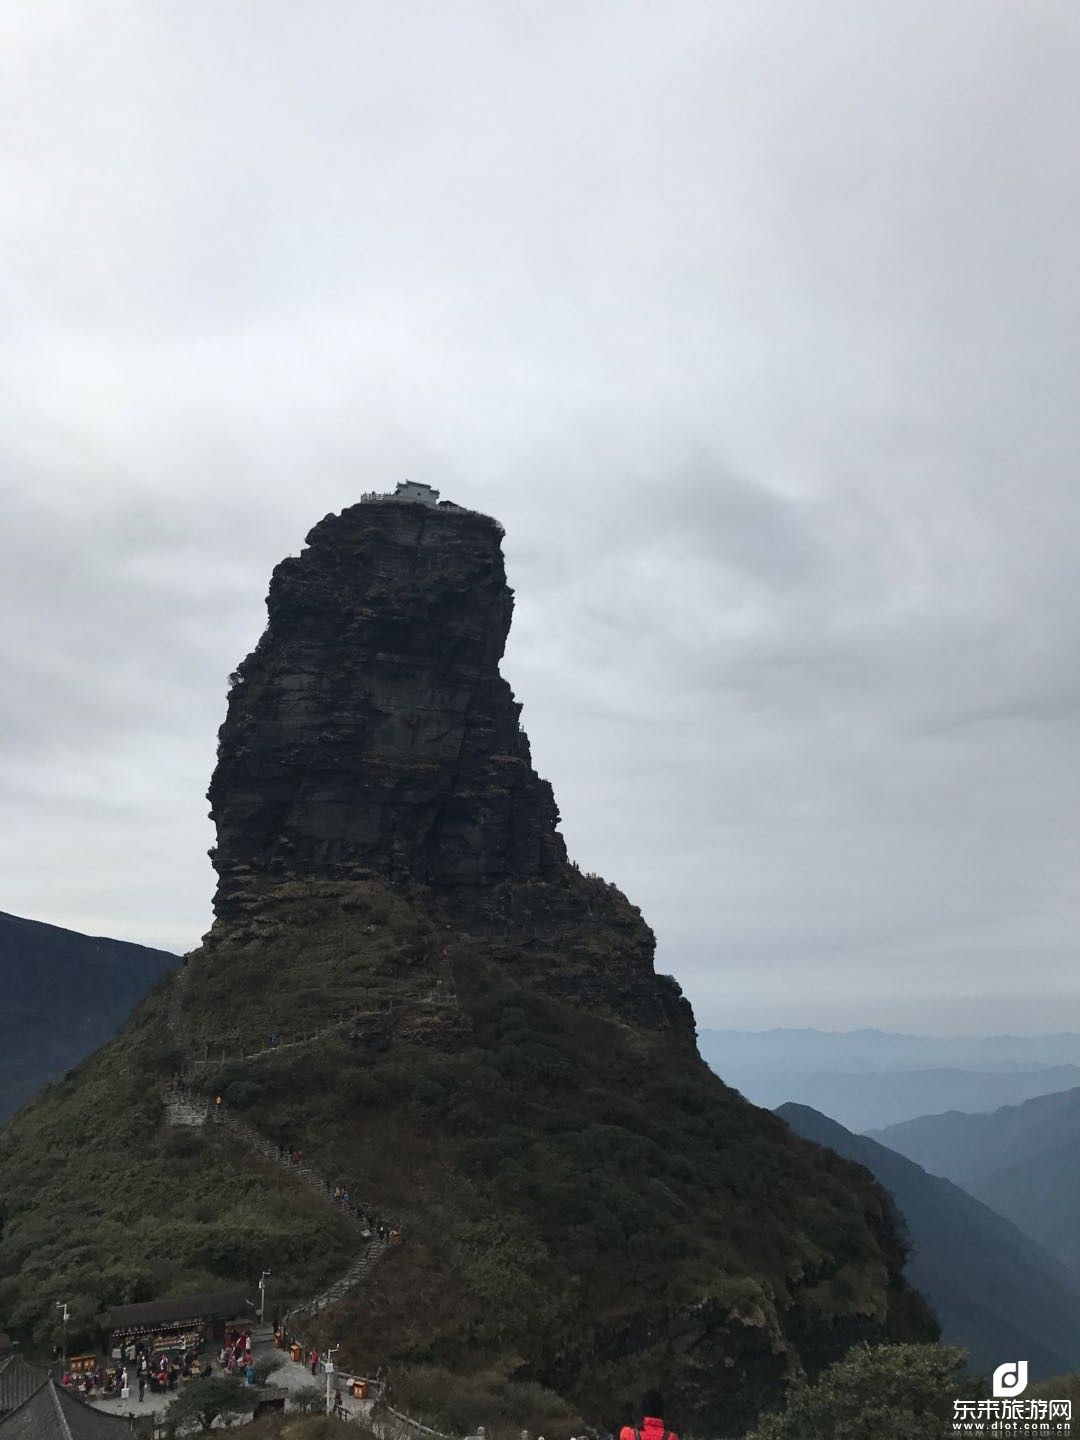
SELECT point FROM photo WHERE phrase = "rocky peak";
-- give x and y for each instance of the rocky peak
(370, 735)
(370, 730)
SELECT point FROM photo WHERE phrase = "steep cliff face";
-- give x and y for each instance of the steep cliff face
(371, 731)
(370, 734)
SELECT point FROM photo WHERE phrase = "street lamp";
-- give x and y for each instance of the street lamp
(328, 1366)
(62, 1305)
(262, 1296)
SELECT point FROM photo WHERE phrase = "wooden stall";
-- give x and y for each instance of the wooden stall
(187, 1322)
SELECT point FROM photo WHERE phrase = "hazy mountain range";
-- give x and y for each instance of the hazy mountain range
(995, 1291)
(1024, 1160)
(899, 1076)
(62, 995)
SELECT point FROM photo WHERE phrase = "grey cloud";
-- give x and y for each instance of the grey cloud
(754, 324)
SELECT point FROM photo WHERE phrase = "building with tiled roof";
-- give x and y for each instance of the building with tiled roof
(52, 1413)
(18, 1381)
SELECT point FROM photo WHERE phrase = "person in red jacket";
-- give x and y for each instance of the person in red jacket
(652, 1420)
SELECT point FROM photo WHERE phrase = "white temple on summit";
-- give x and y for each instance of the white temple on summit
(408, 492)
(412, 492)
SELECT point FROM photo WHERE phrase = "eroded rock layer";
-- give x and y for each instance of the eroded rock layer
(370, 733)
(371, 730)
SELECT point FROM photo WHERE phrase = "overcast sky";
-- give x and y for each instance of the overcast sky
(755, 324)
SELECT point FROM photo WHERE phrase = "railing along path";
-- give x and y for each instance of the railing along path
(185, 1107)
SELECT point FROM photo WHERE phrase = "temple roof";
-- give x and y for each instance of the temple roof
(18, 1381)
(51, 1413)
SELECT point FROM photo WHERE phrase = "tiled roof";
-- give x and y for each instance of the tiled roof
(52, 1414)
(221, 1305)
(18, 1381)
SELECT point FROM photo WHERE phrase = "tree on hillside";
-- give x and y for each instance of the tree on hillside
(308, 1399)
(204, 1401)
(267, 1365)
(884, 1392)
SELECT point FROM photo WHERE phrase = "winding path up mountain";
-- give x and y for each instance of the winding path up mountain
(184, 1108)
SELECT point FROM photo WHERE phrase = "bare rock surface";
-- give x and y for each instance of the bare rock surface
(370, 734)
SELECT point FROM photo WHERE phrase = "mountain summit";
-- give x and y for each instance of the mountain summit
(370, 731)
(371, 735)
(408, 982)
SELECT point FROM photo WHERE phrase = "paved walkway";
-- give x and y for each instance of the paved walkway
(151, 1404)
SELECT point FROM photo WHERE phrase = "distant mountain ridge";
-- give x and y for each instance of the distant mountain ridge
(885, 1050)
(900, 1076)
(995, 1291)
(887, 1099)
(1024, 1160)
(62, 995)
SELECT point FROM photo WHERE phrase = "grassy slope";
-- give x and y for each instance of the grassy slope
(568, 1184)
(102, 1204)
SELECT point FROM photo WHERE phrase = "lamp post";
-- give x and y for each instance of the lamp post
(262, 1296)
(62, 1305)
(328, 1366)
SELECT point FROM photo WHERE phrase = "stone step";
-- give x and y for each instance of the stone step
(183, 1111)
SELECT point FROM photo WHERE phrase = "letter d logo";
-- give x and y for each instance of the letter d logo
(1010, 1379)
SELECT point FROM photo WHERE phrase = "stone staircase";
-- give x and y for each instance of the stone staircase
(370, 1256)
(188, 1108)
(309, 1037)
(441, 994)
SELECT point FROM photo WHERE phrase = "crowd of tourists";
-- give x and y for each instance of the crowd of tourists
(139, 1369)
(369, 1224)
(102, 1380)
(235, 1353)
